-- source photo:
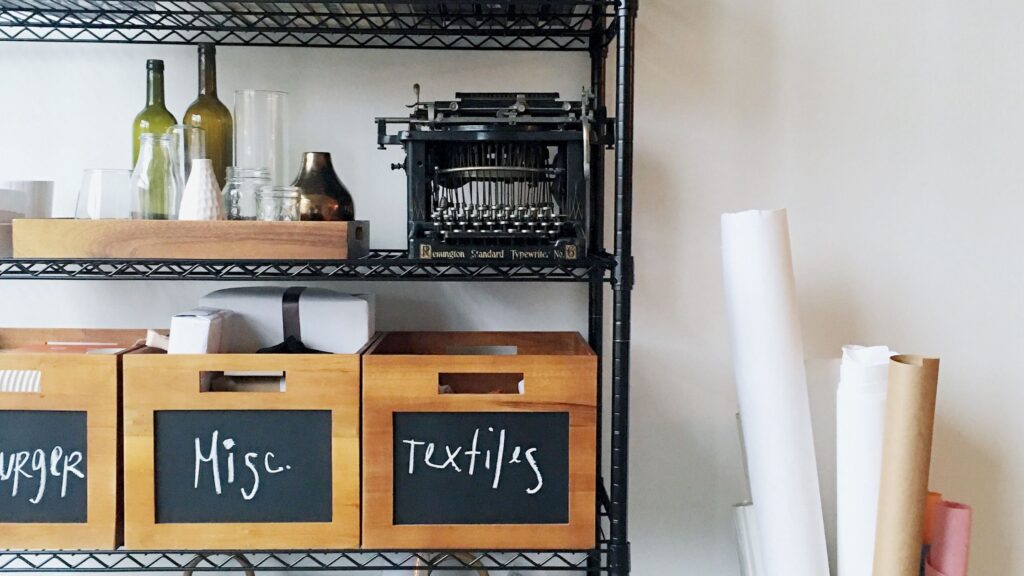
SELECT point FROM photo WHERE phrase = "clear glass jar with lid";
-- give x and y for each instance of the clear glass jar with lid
(241, 192)
(279, 203)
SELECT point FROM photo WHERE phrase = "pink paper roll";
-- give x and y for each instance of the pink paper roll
(951, 539)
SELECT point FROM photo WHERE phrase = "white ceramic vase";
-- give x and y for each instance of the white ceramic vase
(201, 199)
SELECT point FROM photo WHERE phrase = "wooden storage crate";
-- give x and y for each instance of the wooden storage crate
(478, 395)
(77, 408)
(172, 425)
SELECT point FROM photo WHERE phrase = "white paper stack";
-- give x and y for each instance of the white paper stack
(20, 381)
(860, 424)
(760, 294)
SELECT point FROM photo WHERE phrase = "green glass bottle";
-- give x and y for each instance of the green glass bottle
(154, 118)
(208, 113)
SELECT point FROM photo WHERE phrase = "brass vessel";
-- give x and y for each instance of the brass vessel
(324, 197)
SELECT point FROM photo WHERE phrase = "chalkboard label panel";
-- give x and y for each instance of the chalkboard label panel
(43, 474)
(481, 468)
(227, 466)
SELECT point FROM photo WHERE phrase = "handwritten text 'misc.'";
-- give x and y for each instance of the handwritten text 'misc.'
(254, 463)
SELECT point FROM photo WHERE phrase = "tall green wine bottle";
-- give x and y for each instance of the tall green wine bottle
(154, 118)
(208, 113)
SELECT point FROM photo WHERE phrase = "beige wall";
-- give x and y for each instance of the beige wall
(891, 131)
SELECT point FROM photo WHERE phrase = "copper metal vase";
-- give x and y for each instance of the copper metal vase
(324, 197)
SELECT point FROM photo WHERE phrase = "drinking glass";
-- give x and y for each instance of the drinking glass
(261, 133)
(155, 189)
(189, 143)
(279, 203)
(104, 193)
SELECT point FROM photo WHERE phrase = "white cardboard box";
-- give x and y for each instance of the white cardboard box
(198, 331)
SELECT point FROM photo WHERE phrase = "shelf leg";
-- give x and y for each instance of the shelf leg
(595, 335)
(621, 302)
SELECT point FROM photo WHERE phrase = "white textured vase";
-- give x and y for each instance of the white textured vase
(201, 199)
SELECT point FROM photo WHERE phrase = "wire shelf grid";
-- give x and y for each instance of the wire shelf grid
(593, 561)
(304, 561)
(389, 265)
(436, 24)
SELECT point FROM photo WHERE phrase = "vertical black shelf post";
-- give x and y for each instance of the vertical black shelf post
(595, 336)
(622, 290)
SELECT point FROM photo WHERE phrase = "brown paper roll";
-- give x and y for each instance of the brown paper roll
(932, 502)
(906, 458)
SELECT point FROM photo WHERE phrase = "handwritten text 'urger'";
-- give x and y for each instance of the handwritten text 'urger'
(16, 466)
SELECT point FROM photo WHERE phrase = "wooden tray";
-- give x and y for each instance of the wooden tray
(218, 240)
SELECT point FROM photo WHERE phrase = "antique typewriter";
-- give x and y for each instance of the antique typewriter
(502, 176)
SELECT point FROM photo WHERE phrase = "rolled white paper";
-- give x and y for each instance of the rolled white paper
(747, 540)
(760, 296)
(860, 426)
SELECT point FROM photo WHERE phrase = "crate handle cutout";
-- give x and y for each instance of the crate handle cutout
(482, 351)
(21, 381)
(248, 381)
(480, 383)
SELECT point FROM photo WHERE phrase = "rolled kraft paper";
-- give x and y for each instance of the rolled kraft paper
(760, 295)
(932, 501)
(951, 539)
(860, 423)
(906, 458)
(747, 540)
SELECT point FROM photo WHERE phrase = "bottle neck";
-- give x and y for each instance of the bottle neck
(316, 162)
(155, 88)
(207, 70)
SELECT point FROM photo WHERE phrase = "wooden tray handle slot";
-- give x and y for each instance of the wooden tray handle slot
(243, 381)
(481, 383)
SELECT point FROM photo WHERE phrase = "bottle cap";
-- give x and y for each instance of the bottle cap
(157, 65)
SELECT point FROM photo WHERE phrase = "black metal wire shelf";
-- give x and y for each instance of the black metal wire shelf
(440, 24)
(595, 561)
(384, 265)
(587, 561)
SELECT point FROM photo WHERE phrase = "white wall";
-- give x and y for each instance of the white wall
(891, 130)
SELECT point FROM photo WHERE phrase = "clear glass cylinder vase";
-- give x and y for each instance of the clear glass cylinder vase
(261, 133)
(155, 187)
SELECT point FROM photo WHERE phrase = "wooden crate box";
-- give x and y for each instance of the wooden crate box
(479, 441)
(267, 469)
(61, 443)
